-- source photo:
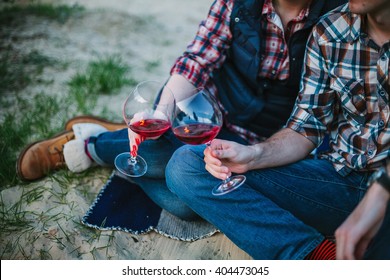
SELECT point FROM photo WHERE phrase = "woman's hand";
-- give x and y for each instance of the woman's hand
(134, 141)
(224, 157)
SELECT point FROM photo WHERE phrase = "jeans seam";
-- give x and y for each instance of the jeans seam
(301, 197)
(319, 180)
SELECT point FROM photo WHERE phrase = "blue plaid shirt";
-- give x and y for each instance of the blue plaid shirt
(345, 93)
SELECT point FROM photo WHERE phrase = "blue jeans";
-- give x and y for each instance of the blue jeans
(279, 213)
(106, 146)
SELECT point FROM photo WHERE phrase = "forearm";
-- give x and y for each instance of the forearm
(284, 147)
(180, 87)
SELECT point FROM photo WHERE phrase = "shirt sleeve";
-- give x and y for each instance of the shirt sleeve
(314, 109)
(208, 49)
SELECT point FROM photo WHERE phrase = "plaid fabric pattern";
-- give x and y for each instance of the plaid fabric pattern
(275, 63)
(345, 92)
(208, 50)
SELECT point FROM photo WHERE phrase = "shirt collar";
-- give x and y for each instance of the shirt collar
(355, 23)
(269, 9)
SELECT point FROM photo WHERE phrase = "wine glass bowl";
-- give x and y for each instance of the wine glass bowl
(198, 120)
(148, 112)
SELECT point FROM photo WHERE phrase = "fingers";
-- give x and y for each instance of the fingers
(346, 242)
(221, 149)
(214, 165)
(134, 141)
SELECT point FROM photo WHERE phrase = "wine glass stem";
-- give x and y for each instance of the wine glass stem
(132, 160)
(225, 183)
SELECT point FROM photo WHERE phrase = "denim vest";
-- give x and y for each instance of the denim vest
(261, 105)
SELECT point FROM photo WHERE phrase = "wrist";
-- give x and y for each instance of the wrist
(380, 178)
(256, 151)
(379, 191)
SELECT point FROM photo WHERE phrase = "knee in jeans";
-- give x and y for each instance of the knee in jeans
(173, 170)
(179, 167)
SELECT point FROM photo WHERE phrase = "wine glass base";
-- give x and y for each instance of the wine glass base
(132, 168)
(229, 185)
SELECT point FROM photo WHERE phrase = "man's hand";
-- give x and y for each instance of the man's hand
(223, 157)
(355, 234)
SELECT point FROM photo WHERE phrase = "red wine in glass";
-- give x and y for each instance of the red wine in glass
(148, 112)
(196, 133)
(150, 127)
(198, 121)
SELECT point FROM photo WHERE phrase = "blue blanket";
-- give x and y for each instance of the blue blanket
(122, 205)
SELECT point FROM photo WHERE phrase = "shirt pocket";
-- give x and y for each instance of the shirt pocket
(352, 98)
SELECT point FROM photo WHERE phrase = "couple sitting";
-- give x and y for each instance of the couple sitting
(250, 55)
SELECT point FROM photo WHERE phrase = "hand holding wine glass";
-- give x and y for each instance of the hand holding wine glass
(198, 120)
(225, 157)
(147, 112)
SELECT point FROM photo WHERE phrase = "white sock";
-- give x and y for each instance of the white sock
(74, 151)
(75, 157)
(85, 130)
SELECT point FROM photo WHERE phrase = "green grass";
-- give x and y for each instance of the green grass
(152, 65)
(104, 76)
(43, 116)
(36, 116)
(29, 121)
(30, 112)
(27, 116)
(61, 13)
(18, 70)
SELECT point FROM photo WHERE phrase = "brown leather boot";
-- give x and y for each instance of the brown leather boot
(40, 158)
(111, 126)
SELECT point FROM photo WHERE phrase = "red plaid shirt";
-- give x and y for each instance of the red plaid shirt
(208, 50)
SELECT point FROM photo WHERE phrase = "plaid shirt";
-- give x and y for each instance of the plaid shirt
(208, 50)
(345, 92)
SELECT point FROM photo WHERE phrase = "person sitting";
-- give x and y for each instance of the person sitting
(289, 203)
(248, 53)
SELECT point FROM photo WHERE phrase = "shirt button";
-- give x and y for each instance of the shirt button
(293, 59)
(383, 57)
(381, 123)
(382, 92)
(273, 72)
(237, 19)
(370, 152)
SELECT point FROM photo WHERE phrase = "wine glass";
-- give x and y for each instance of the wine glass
(198, 120)
(148, 112)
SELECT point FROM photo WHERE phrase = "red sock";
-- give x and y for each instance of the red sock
(326, 250)
(86, 149)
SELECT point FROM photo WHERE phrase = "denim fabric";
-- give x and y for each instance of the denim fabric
(380, 247)
(106, 146)
(279, 213)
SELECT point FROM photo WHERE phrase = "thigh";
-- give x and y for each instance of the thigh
(311, 190)
(248, 217)
(156, 152)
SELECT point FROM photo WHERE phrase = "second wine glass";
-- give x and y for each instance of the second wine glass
(148, 112)
(198, 120)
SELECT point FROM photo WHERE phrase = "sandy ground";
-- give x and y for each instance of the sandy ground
(50, 210)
